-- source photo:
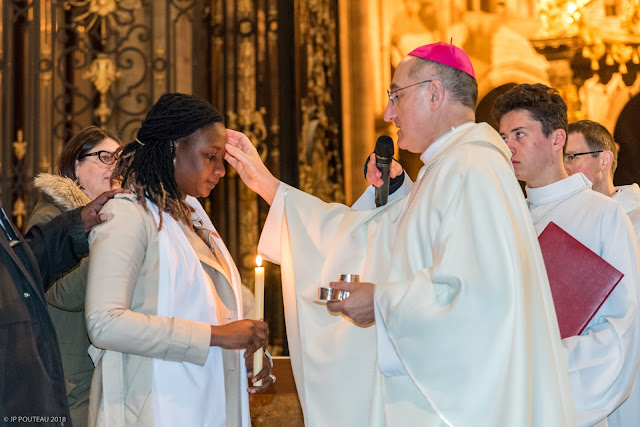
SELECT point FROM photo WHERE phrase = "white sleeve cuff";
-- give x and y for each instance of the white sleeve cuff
(269, 244)
(388, 359)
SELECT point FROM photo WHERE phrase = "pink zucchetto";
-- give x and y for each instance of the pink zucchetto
(446, 54)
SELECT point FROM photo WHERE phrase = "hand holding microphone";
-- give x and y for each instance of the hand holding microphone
(384, 156)
(374, 175)
(385, 168)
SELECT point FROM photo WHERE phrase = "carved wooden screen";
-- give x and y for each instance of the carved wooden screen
(69, 64)
(274, 72)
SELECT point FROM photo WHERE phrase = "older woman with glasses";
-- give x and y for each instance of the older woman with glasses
(85, 167)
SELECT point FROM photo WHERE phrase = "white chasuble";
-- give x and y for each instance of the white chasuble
(603, 360)
(333, 359)
(461, 291)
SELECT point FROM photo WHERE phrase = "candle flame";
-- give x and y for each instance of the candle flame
(259, 261)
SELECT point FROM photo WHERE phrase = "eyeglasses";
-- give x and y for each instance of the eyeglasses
(106, 157)
(394, 98)
(570, 158)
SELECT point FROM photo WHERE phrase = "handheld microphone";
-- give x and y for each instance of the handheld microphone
(384, 156)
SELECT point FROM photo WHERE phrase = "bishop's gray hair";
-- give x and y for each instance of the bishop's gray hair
(460, 85)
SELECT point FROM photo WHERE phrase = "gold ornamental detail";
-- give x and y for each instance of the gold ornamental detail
(566, 19)
(614, 53)
(594, 50)
(159, 75)
(631, 16)
(250, 121)
(44, 164)
(249, 233)
(570, 94)
(252, 124)
(20, 145)
(245, 9)
(102, 73)
(620, 54)
(319, 156)
(246, 75)
(112, 12)
(19, 212)
(46, 75)
(561, 17)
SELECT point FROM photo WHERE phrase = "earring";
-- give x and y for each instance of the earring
(174, 161)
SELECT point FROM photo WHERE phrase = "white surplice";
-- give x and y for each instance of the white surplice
(628, 196)
(603, 360)
(461, 292)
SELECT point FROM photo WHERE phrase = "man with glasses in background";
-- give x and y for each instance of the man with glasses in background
(452, 275)
(592, 151)
(602, 361)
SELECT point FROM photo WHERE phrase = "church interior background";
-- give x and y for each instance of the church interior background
(304, 79)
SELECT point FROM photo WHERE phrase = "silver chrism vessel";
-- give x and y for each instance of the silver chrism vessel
(330, 294)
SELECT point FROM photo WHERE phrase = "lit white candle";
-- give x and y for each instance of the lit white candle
(258, 313)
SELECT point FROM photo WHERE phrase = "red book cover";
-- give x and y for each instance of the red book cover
(580, 279)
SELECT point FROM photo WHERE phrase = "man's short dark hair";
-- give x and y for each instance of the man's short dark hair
(544, 104)
(460, 85)
(597, 138)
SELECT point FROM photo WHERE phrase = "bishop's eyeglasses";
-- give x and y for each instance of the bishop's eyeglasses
(572, 157)
(393, 98)
(106, 157)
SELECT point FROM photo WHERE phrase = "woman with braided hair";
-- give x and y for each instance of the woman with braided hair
(164, 306)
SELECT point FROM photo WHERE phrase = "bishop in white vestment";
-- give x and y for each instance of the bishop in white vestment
(465, 331)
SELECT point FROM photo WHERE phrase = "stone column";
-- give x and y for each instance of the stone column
(358, 98)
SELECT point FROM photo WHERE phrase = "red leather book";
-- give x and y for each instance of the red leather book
(580, 279)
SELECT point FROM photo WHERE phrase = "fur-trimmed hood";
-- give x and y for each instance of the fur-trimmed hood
(61, 191)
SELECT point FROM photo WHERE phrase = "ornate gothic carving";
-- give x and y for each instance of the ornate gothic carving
(114, 12)
(19, 212)
(250, 121)
(319, 151)
(20, 145)
(561, 18)
(604, 102)
(631, 16)
(102, 73)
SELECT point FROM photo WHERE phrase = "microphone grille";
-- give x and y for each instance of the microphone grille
(384, 147)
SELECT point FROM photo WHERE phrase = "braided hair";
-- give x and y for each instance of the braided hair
(146, 164)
